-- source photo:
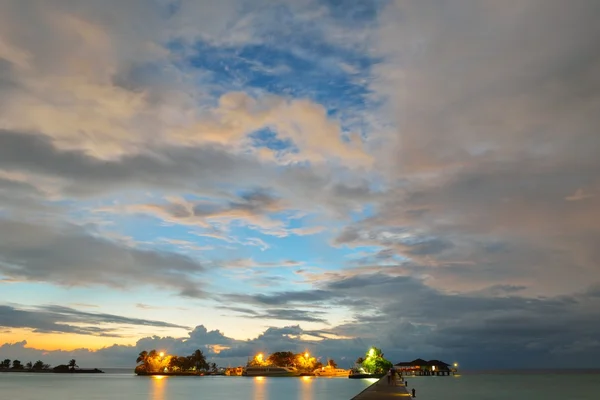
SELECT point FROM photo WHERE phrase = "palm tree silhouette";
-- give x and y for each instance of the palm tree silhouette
(73, 364)
(199, 360)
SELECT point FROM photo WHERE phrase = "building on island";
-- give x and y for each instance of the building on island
(420, 367)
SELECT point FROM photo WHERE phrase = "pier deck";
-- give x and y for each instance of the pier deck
(380, 390)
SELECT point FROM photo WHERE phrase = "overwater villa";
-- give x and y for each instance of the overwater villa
(420, 367)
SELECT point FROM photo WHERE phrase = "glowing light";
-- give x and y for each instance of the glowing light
(161, 354)
(259, 357)
(306, 378)
(259, 378)
(158, 377)
(455, 364)
(371, 352)
(306, 355)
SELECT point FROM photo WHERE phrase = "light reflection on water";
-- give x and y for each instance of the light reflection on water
(158, 387)
(260, 392)
(307, 388)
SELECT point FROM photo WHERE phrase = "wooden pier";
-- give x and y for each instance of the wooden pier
(381, 390)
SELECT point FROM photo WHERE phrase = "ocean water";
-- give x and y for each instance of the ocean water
(115, 386)
(509, 385)
(126, 386)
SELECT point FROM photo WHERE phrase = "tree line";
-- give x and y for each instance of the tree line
(39, 365)
(153, 361)
(301, 361)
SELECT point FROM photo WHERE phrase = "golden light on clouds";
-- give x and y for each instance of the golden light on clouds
(62, 341)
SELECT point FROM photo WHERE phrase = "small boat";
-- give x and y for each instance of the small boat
(271, 371)
(329, 371)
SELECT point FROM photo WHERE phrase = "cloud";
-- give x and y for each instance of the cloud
(282, 314)
(282, 298)
(578, 195)
(253, 208)
(253, 265)
(60, 319)
(317, 137)
(493, 125)
(70, 255)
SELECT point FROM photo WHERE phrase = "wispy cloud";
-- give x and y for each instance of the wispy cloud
(60, 319)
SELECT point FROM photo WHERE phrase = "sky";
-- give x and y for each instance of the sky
(310, 175)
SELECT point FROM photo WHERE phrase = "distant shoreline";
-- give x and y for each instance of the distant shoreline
(50, 371)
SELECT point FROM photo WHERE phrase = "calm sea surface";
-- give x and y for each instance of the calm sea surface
(468, 386)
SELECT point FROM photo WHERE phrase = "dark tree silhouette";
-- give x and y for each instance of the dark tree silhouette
(5, 364)
(142, 358)
(281, 358)
(38, 365)
(332, 363)
(199, 360)
(17, 364)
(72, 364)
(29, 365)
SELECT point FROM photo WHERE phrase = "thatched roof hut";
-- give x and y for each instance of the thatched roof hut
(419, 363)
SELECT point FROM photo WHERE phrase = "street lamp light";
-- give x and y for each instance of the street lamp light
(161, 354)
(306, 355)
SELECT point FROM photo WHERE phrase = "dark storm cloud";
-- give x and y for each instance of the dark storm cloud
(59, 319)
(71, 255)
(408, 316)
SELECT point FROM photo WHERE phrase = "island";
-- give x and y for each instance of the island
(158, 363)
(39, 366)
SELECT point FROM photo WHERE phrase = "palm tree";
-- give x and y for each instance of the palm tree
(29, 365)
(142, 358)
(199, 360)
(5, 363)
(39, 364)
(72, 364)
(17, 364)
